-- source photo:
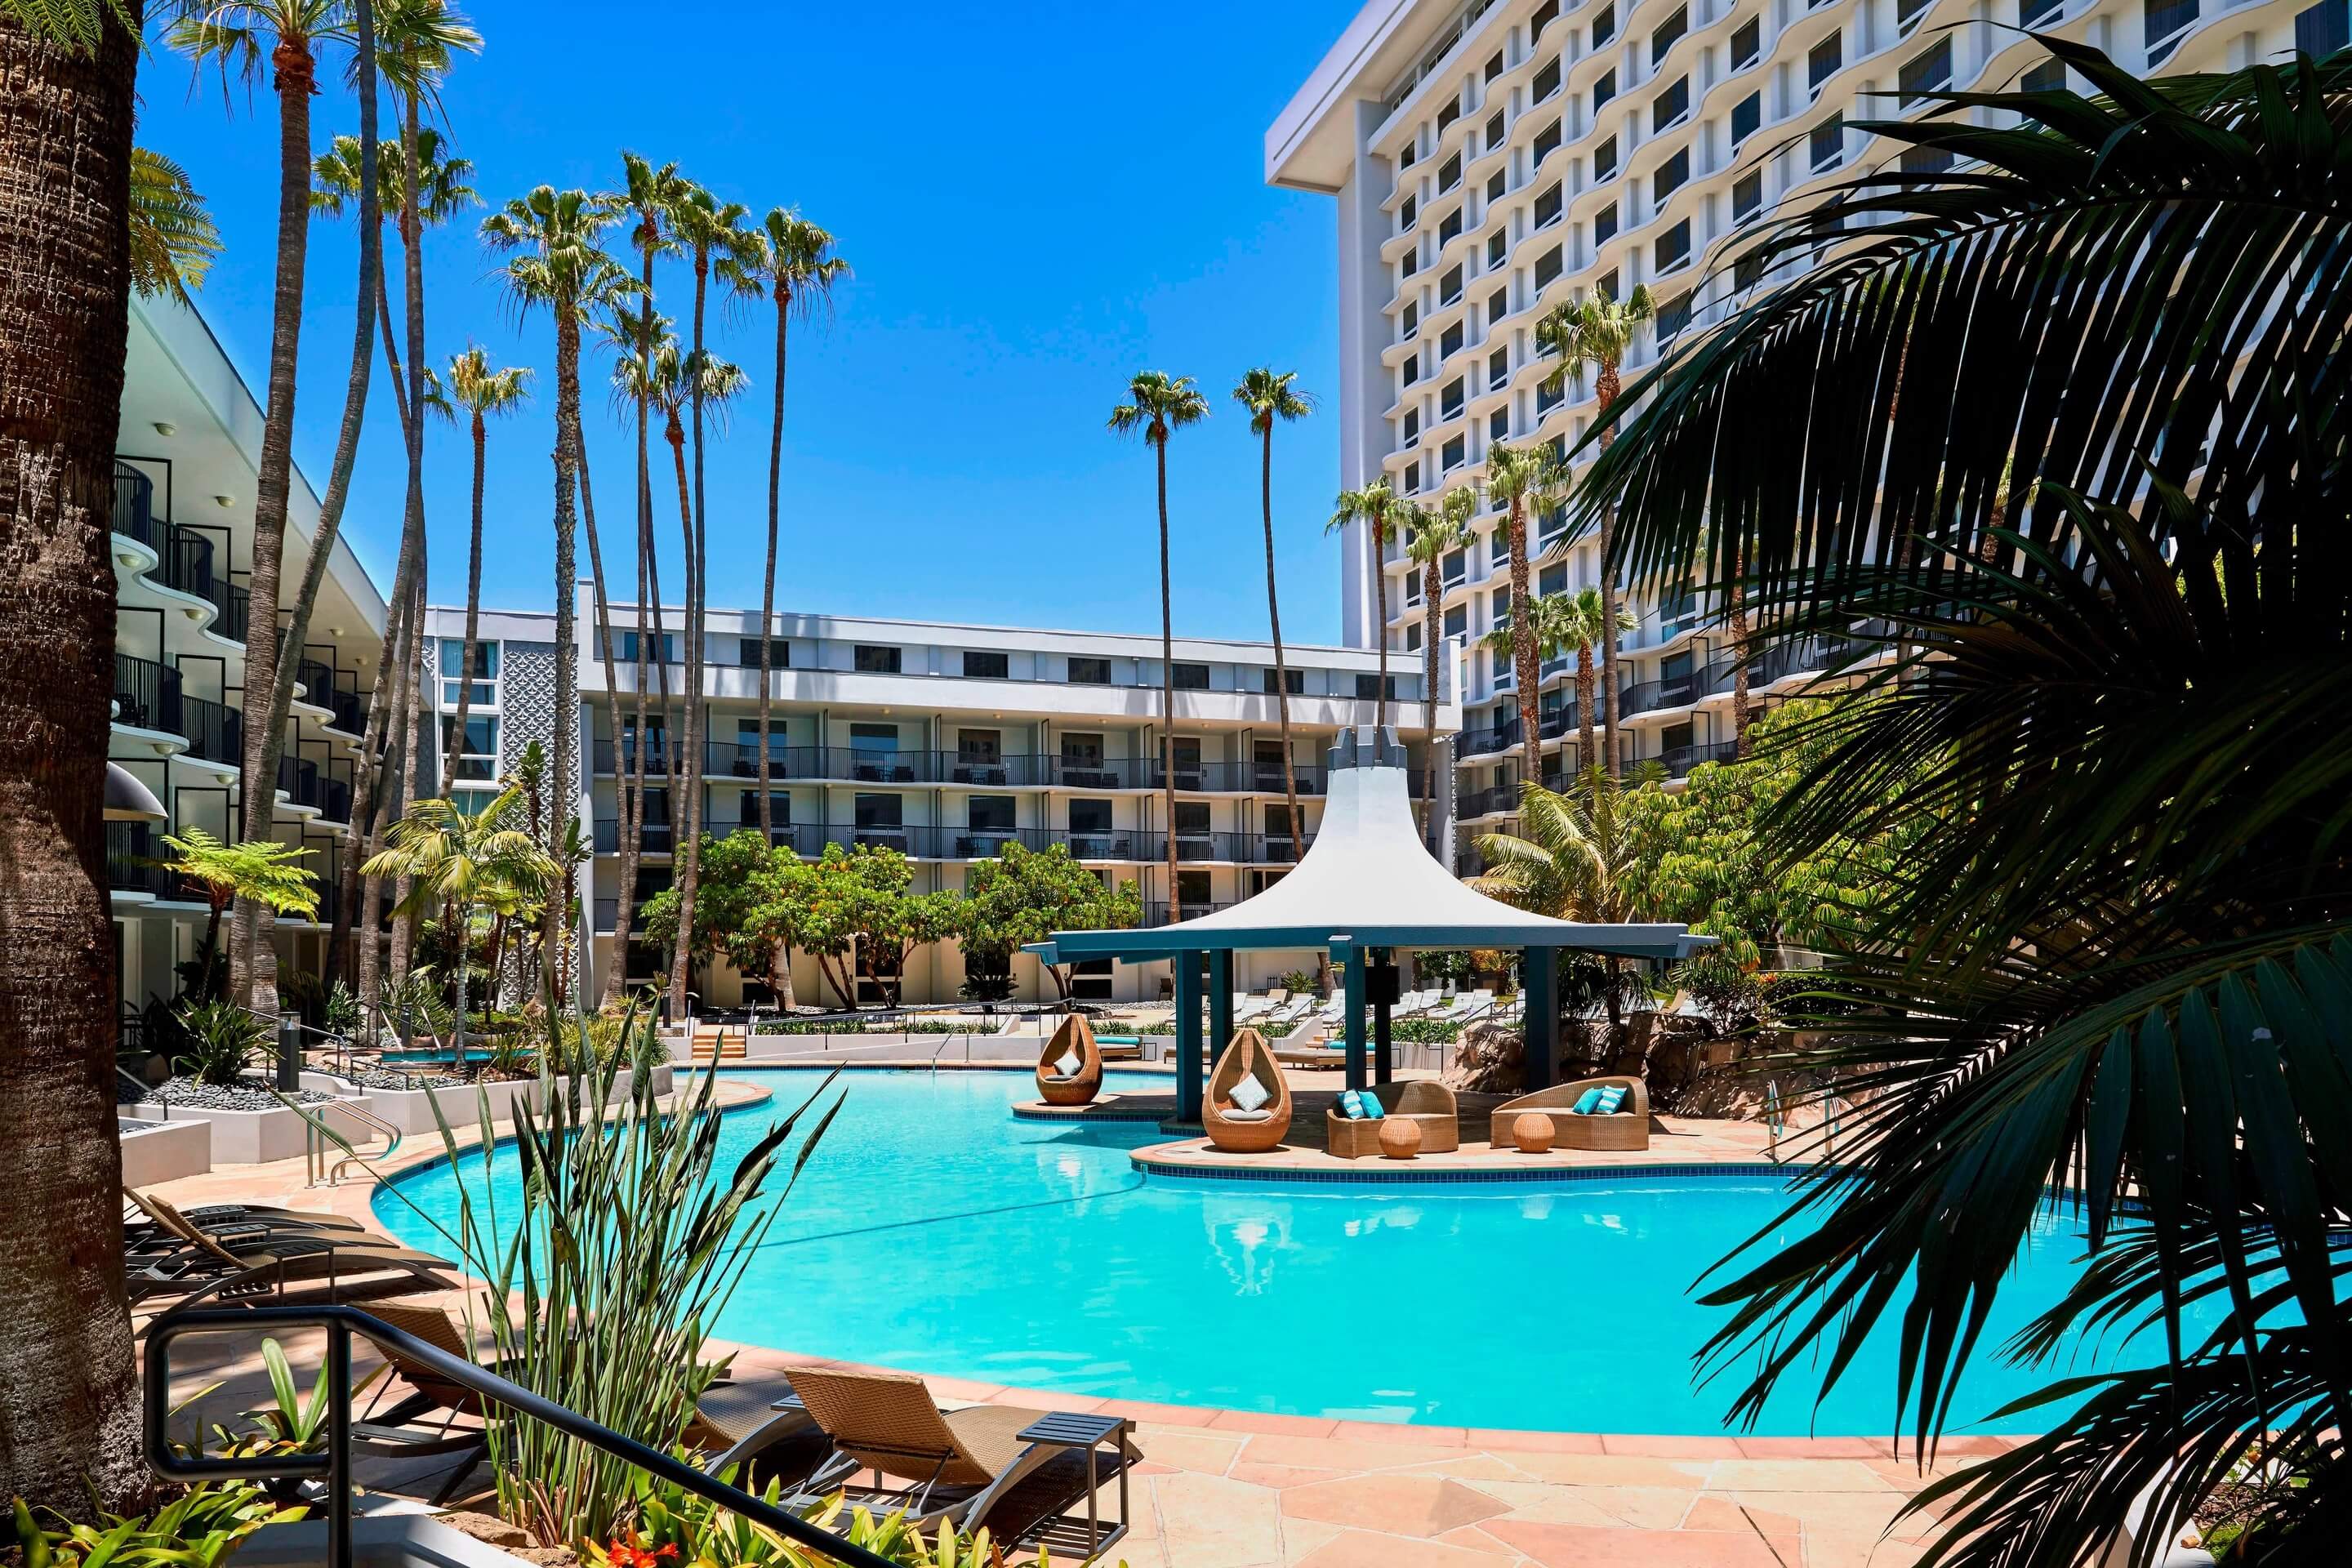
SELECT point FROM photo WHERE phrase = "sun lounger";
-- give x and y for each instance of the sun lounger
(1119, 1047)
(256, 1258)
(142, 1229)
(969, 1467)
(1292, 1011)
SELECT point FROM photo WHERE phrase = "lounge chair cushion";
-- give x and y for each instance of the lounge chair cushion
(1586, 1103)
(1249, 1094)
(1069, 1064)
(1246, 1115)
(1611, 1099)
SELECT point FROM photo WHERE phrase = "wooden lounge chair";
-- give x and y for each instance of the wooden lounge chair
(1628, 1129)
(1430, 1104)
(240, 1261)
(1075, 1040)
(142, 1230)
(1230, 1128)
(966, 1466)
(1119, 1047)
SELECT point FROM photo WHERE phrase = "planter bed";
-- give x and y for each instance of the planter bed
(155, 1152)
(257, 1137)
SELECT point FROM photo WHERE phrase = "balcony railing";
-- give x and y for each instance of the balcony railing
(928, 842)
(1680, 760)
(850, 764)
(1159, 914)
(187, 562)
(131, 848)
(215, 731)
(298, 782)
(146, 695)
(135, 505)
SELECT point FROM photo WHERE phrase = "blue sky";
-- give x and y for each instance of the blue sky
(1039, 199)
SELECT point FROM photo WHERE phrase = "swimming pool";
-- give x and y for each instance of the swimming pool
(933, 1231)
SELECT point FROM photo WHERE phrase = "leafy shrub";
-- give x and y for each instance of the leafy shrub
(195, 1530)
(673, 1528)
(1297, 980)
(219, 1036)
(341, 1014)
(1425, 1032)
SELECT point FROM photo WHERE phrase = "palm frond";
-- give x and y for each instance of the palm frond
(173, 237)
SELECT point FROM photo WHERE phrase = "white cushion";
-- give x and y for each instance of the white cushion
(1069, 1064)
(1249, 1094)
(1246, 1115)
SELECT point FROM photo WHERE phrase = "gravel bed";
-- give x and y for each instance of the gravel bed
(215, 1096)
(379, 1078)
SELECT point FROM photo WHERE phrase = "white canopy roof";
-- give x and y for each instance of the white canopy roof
(1369, 881)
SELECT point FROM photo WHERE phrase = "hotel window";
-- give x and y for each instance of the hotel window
(1746, 195)
(1927, 71)
(1498, 602)
(1457, 621)
(1495, 185)
(1449, 287)
(1607, 287)
(1548, 266)
(1412, 369)
(1406, 213)
(1498, 305)
(1083, 751)
(2165, 21)
(780, 653)
(1451, 342)
(1823, 60)
(1455, 452)
(1494, 138)
(1604, 226)
(1547, 142)
(2033, 13)
(1296, 679)
(1667, 35)
(1495, 244)
(481, 735)
(883, 813)
(1448, 115)
(1604, 88)
(1411, 426)
(1368, 689)
(1747, 271)
(1454, 567)
(1494, 68)
(1746, 116)
(486, 669)
(1747, 43)
(1554, 580)
(876, 661)
(1927, 160)
(1828, 144)
(747, 738)
(1604, 161)
(1089, 671)
(1548, 206)
(1549, 395)
(1449, 226)
(747, 808)
(1412, 638)
(1449, 174)
(1191, 677)
(1449, 402)
(1498, 424)
(1674, 314)
(1547, 81)
(1671, 175)
(979, 666)
(1909, 11)
(2320, 30)
(1670, 105)
(2050, 76)
(665, 646)
(979, 748)
(1499, 368)
(1409, 264)
(989, 813)
(1408, 324)
(1604, 26)
(1546, 14)
(1412, 479)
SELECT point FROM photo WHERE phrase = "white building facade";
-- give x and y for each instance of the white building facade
(946, 742)
(1490, 160)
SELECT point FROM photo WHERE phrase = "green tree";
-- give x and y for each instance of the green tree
(1026, 895)
(1270, 397)
(1161, 405)
(732, 866)
(1516, 477)
(2122, 948)
(482, 393)
(1597, 331)
(173, 237)
(1377, 508)
(264, 872)
(1558, 623)
(1573, 858)
(457, 861)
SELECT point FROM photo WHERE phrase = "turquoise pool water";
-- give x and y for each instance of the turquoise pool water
(935, 1232)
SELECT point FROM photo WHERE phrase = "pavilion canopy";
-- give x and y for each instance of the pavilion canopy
(1368, 882)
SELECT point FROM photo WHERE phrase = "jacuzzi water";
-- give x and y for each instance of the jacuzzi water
(933, 1231)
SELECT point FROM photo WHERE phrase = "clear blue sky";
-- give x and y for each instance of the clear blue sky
(1038, 199)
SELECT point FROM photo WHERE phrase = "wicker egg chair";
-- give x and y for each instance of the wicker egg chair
(1228, 1127)
(1079, 1088)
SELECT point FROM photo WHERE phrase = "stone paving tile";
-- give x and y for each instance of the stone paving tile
(1209, 1521)
(1578, 1546)
(1281, 1477)
(1420, 1505)
(1364, 1549)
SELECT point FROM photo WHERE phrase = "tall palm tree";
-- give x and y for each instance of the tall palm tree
(443, 191)
(1518, 477)
(1599, 331)
(1571, 857)
(2123, 949)
(173, 237)
(555, 262)
(1562, 622)
(456, 860)
(1433, 536)
(790, 260)
(483, 392)
(706, 229)
(1160, 406)
(71, 1391)
(1269, 395)
(1376, 507)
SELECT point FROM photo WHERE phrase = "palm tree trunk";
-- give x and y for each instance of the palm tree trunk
(70, 1419)
(1430, 588)
(562, 791)
(685, 824)
(612, 686)
(1381, 636)
(472, 601)
(1585, 755)
(391, 345)
(768, 582)
(1739, 708)
(632, 773)
(697, 596)
(1523, 647)
(412, 762)
(1167, 682)
(781, 978)
(1281, 670)
(1604, 388)
(296, 69)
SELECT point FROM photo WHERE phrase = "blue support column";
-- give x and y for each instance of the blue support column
(1541, 1016)
(1352, 1010)
(1188, 1037)
(1221, 1004)
(1383, 995)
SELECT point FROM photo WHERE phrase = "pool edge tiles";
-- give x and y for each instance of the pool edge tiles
(1384, 1174)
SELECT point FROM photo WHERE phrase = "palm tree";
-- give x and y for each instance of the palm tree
(790, 260)
(707, 229)
(65, 291)
(1374, 506)
(173, 237)
(2123, 949)
(482, 393)
(1599, 331)
(1563, 621)
(555, 262)
(443, 191)
(455, 861)
(1516, 476)
(262, 870)
(1160, 404)
(1572, 857)
(1269, 396)
(1433, 536)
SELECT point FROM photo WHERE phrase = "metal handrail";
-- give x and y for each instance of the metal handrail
(334, 1466)
(314, 1142)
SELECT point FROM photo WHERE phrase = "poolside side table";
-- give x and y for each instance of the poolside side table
(1068, 1429)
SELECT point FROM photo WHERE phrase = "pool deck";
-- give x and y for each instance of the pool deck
(1230, 1488)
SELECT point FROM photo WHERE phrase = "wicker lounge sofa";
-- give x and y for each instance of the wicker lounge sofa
(1074, 1038)
(1627, 1129)
(1430, 1104)
(1231, 1127)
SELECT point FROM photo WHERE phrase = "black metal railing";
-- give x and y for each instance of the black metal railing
(1680, 760)
(235, 602)
(216, 730)
(927, 842)
(332, 1467)
(297, 780)
(321, 690)
(608, 915)
(187, 562)
(135, 505)
(852, 764)
(146, 694)
(1159, 914)
(334, 802)
(130, 860)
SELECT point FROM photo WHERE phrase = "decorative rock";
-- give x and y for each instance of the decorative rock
(1399, 1138)
(1532, 1132)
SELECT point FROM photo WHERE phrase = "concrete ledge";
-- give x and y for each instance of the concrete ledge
(165, 1151)
(259, 1137)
